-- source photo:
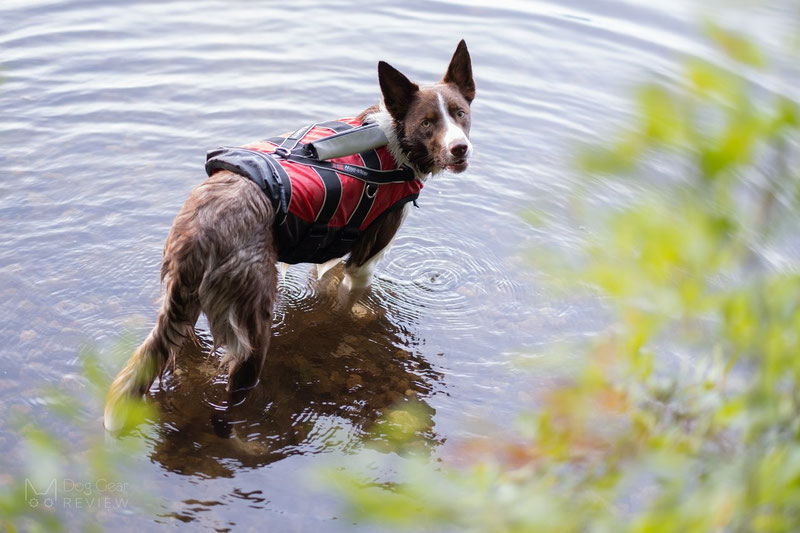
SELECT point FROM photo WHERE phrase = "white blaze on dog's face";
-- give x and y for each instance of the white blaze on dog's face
(432, 123)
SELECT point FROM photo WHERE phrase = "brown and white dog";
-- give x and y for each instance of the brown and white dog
(220, 259)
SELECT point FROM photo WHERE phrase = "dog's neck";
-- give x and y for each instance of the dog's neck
(389, 125)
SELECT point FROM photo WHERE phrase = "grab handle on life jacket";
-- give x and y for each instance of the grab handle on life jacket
(354, 141)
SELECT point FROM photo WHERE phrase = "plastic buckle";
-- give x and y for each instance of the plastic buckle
(282, 151)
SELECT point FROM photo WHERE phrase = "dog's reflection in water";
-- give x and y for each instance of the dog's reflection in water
(330, 374)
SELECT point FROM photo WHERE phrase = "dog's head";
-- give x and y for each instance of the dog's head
(432, 123)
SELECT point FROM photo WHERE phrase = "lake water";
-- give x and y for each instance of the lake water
(106, 112)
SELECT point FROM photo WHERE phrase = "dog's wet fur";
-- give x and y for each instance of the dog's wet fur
(220, 259)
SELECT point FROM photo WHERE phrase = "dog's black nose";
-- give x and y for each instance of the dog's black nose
(459, 149)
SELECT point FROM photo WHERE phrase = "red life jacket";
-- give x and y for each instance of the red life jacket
(322, 207)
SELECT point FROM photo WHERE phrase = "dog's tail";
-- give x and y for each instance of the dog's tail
(219, 258)
(179, 312)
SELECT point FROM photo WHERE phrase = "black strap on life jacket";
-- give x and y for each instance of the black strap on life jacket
(287, 145)
(333, 195)
(290, 143)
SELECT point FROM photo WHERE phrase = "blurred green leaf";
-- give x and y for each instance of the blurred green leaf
(736, 45)
(662, 115)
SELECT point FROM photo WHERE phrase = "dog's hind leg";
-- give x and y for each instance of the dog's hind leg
(237, 298)
(238, 286)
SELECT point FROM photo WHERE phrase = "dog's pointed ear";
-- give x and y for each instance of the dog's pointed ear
(398, 91)
(459, 72)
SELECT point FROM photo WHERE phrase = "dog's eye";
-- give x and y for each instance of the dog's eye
(461, 113)
(426, 123)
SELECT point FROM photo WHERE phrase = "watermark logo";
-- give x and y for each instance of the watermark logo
(70, 494)
(45, 498)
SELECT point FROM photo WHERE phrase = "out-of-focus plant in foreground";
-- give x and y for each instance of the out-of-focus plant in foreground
(67, 473)
(630, 444)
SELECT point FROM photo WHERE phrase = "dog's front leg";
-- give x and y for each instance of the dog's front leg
(359, 278)
(367, 252)
(356, 282)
